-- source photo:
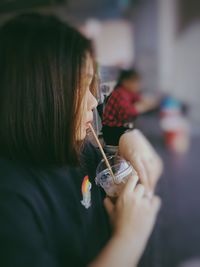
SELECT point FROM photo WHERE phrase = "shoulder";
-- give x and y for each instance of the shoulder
(120, 92)
(38, 188)
(32, 203)
(13, 176)
(21, 190)
(34, 185)
(117, 91)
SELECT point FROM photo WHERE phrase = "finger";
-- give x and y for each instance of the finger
(160, 166)
(140, 169)
(130, 185)
(156, 203)
(154, 169)
(139, 191)
(108, 205)
(148, 194)
(150, 174)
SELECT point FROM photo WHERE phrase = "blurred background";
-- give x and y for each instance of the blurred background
(160, 38)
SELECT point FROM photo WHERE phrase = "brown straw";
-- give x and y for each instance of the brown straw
(103, 154)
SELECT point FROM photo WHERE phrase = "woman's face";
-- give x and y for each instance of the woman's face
(89, 102)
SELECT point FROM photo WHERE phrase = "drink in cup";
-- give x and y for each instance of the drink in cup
(121, 169)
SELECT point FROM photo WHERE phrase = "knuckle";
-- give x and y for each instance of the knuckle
(141, 186)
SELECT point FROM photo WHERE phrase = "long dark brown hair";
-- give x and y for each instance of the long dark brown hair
(41, 71)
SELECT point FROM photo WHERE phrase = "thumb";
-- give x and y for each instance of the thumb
(140, 168)
(108, 205)
(156, 203)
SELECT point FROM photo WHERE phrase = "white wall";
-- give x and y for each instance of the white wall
(146, 42)
(166, 41)
(187, 71)
(179, 60)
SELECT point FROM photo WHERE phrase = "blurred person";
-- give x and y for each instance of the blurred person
(124, 105)
(47, 82)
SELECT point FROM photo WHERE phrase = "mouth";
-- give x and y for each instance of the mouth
(88, 123)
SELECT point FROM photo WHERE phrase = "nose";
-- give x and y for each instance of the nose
(92, 102)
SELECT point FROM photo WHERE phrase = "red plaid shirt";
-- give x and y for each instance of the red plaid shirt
(120, 107)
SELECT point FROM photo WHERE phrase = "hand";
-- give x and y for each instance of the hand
(151, 102)
(133, 216)
(146, 104)
(149, 169)
(135, 148)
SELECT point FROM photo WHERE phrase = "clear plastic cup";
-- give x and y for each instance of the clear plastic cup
(122, 170)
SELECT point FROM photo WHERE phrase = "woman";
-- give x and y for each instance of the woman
(47, 77)
(124, 105)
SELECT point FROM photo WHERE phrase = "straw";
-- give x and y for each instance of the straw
(103, 154)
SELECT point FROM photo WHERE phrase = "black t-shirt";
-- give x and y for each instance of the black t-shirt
(42, 220)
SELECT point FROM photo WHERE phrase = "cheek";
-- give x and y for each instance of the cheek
(92, 102)
(87, 103)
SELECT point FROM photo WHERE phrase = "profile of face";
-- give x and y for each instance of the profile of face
(59, 78)
(132, 84)
(88, 102)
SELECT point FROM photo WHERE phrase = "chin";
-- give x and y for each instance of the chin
(83, 135)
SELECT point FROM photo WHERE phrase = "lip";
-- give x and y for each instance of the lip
(89, 122)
